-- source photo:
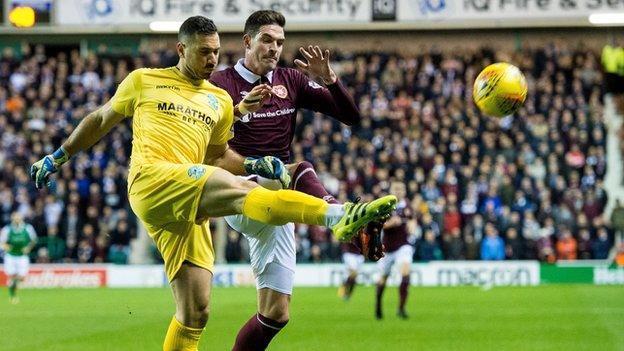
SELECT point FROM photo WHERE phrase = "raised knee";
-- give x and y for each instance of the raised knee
(194, 316)
(202, 313)
(305, 164)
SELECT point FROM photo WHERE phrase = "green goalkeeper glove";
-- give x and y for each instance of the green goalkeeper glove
(268, 167)
(41, 170)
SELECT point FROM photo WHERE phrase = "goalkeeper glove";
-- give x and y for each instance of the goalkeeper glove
(41, 170)
(268, 167)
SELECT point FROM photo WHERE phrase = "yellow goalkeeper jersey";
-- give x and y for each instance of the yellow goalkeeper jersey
(173, 120)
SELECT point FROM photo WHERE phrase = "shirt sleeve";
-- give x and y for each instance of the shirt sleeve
(127, 96)
(31, 233)
(334, 100)
(4, 235)
(224, 130)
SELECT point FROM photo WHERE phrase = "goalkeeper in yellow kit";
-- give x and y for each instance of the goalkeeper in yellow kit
(182, 171)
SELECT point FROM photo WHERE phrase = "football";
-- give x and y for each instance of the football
(500, 89)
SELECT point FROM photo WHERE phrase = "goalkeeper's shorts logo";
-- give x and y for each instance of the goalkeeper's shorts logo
(196, 172)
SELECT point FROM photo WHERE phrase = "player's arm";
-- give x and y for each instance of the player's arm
(88, 132)
(268, 166)
(334, 100)
(91, 129)
(224, 157)
(4, 238)
(33, 239)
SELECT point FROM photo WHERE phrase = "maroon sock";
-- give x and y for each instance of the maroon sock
(305, 180)
(380, 290)
(257, 333)
(349, 284)
(403, 291)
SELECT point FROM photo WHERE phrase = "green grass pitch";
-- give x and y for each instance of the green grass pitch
(555, 317)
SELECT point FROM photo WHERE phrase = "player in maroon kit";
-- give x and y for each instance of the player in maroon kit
(269, 131)
(398, 251)
(353, 257)
(353, 260)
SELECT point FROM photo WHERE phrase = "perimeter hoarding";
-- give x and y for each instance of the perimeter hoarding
(439, 273)
(344, 14)
(87, 12)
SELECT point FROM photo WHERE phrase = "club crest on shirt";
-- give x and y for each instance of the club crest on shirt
(280, 91)
(196, 172)
(213, 102)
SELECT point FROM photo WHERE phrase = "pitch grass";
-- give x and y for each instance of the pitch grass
(556, 317)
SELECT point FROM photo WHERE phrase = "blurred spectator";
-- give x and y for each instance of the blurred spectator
(452, 220)
(85, 252)
(514, 247)
(492, 246)
(617, 219)
(453, 245)
(428, 248)
(42, 255)
(492, 203)
(566, 246)
(584, 245)
(119, 241)
(316, 255)
(600, 245)
(619, 257)
(233, 252)
(54, 245)
(472, 247)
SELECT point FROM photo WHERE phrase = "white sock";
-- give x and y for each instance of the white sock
(333, 214)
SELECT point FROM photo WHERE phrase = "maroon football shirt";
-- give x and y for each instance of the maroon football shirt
(270, 130)
(350, 248)
(395, 237)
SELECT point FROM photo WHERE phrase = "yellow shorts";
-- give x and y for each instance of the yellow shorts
(165, 196)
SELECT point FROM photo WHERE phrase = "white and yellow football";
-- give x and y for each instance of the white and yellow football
(500, 89)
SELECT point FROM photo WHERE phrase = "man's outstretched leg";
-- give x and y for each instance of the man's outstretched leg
(225, 194)
(191, 290)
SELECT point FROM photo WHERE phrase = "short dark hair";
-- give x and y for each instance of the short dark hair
(261, 18)
(196, 25)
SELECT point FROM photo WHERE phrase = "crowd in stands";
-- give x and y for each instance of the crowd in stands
(42, 98)
(528, 187)
(522, 187)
